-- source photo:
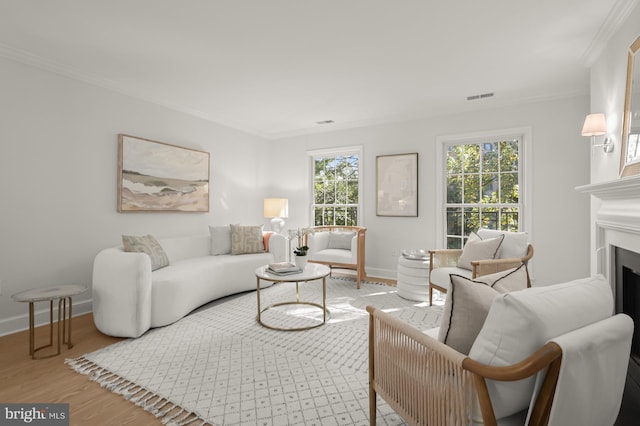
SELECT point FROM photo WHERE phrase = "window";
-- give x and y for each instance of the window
(336, 187)
(483, 183)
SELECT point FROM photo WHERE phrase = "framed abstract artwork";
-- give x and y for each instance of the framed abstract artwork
(397, 185)
(160, 177)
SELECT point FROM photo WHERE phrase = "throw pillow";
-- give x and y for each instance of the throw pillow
(468, 303)
(246, 239)
(149, 245)
(465, 309)
(220, 239)
(478, 249)
(514, 245)
(265, 240)
(340, 240)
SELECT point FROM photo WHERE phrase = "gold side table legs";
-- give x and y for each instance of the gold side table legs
(325, 312)
(64, 329)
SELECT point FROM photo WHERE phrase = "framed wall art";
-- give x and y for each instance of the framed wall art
(160, 177)
(397, 185)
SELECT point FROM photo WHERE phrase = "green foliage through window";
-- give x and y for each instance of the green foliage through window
(482, 188)
(335, 190)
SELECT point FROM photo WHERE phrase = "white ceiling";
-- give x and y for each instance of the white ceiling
(276, 67)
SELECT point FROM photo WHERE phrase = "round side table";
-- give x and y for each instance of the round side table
(311, 272)
(62, 294)
(413, 279)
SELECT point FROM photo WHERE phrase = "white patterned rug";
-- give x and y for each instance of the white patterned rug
(218, 366)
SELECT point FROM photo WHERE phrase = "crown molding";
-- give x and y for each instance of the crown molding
(612, 23)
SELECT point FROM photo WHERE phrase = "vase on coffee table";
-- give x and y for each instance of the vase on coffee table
(301, 261)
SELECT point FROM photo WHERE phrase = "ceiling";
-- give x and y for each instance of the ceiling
(275, 68)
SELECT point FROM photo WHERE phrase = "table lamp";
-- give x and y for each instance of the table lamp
(276, 208)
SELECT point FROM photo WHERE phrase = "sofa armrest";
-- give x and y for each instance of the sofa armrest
(278, 247)
(121, 292)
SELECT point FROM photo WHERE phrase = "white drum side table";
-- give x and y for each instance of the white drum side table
(62, 294)
(413, 279)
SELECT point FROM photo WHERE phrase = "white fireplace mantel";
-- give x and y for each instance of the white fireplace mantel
(623, 188)
(617, 221)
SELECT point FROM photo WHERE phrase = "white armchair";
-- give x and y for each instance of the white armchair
(339, 247)
(512, 252)
(545, 356)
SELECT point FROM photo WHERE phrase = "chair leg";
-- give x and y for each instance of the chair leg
(430, 296)
(372, 405)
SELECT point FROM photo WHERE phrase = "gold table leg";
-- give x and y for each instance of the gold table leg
(325, 312)
(64, 330)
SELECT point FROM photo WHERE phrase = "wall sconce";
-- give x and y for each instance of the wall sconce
(596, 125)
(276, 208)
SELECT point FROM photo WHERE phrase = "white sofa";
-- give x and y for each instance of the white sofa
(129, 298)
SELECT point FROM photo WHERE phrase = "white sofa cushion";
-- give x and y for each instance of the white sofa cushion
(514, 245)
(478, 249)
(220, 239)
(521, 322)
(441, 276)
(340, 240)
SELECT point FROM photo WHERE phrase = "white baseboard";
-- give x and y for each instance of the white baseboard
(390, 274)
(21, 322)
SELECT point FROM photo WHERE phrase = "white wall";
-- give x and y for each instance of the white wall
(58, 167)
(560, 162)
(608, 78)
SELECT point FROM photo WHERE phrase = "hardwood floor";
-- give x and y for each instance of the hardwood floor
(23, 380)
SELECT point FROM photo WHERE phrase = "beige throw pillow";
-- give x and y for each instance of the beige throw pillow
(468, 303)
(149, 245)
(246, 239)
(478, 249)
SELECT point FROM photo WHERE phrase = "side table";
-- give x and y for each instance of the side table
(62, 294)
(413, 279)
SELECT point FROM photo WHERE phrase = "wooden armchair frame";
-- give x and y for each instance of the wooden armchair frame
(449, 258)
(359, 267)
(428, 383)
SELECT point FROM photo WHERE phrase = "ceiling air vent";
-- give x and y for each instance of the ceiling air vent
(482, 96)
(324, 122)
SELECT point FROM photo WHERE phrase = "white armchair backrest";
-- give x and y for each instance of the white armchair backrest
(592, 373)
(514, 244)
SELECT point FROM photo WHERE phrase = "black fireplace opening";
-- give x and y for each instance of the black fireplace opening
(627, 264)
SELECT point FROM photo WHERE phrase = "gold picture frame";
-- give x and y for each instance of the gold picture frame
(630, 155)
(159, 177)
(397, 185)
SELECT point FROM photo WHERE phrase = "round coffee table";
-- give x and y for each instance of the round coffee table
(62, 294)
(311, 272)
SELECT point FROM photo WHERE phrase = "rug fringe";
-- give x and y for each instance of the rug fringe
(167, 412)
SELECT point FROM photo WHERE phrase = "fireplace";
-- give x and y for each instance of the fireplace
(627, 291)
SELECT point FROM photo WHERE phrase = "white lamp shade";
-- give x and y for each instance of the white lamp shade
(276, 207)
(594, 125)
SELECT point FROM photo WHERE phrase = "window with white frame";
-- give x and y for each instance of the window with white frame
(483, 187)
(336, 186)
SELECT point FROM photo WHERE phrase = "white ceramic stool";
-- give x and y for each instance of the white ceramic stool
(413, 279)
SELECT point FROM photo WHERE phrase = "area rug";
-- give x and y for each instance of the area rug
(218, 366)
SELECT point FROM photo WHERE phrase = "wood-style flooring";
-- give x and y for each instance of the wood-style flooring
(23, 380)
